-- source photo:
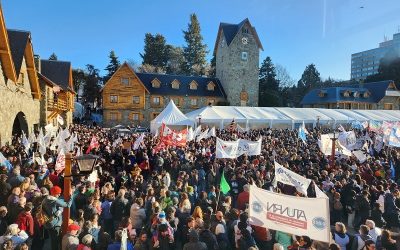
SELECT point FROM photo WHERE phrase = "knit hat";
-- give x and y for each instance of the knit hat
(55, 190)
(73, 227)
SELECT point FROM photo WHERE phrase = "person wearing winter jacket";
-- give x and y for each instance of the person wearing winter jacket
(194, 242)
(340, 236)
(25, 220)
(359, 239)
(138, 215)
(119, 207)
(208, 237)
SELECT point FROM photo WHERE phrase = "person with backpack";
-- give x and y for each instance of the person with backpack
(359, 239)
(51, 211)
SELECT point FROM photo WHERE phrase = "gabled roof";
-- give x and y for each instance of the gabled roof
(377, 91)
(59, 72)
(184, 87)
(47, 80)
(5, 55)
(18, 41)
(231, 30)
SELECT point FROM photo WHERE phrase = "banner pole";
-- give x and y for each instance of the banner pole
(329, 220)
(216, 206)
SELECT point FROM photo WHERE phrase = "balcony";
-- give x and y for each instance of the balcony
(57, 105)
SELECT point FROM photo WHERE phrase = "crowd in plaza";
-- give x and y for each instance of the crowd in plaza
(170, 198)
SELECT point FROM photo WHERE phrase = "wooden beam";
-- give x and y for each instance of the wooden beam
(30, 69)
(3, 51)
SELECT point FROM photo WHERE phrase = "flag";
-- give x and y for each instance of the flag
(190, 136)
(360, 155)
(302, 134)
(394, 141)
(25, 142)
(211, 133)
(392, 171)
(234, 149)
(60, 120)
(173, 138)
(197, 132)
(60, 162)
(374, 126)
(202, 135)
(93, 144)
(138, 141)
(341, 128)
(289, 177)
(224, 186)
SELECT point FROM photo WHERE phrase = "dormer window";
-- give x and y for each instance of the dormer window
(356, 94)
(346, 93)
(322, 93)
(210, 86)
(175, 84)
(193, 85)
(155, 83)
(366, 94)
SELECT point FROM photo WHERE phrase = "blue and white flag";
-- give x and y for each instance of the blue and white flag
(302, 133)
(394, 140)
(392, 171)
(357, 125)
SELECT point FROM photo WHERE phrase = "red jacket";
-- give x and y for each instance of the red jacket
(25, 222)
(242, 199)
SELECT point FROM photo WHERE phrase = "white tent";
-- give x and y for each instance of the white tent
(253, 117)
(171, 116)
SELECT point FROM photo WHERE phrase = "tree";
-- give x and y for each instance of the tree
(389, 69)
(309, 79)
(283, 76)
(268, 85)
(78, 79)
(147, 68)
(155, 51)
(91, 87)
(195, 51)
(112, 66)
(175, 60)
(53, 57)
(213, 65)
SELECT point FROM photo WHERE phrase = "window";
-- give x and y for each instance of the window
(210, 86)
(193, 101)
(388, 106)
(113, 98)
(366, 94)
(193, 85)
(356, 94)
(245, 30)
(135, 116)
(125, 80)
(176, 101)
(175, 84)
(136, 99)
(155, 83)
(346, 94)
(244, 56)
(113, 116)
(156, 100)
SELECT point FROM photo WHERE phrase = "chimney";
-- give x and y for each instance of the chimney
(37, 63)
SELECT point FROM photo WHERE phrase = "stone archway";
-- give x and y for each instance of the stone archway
(20, 124)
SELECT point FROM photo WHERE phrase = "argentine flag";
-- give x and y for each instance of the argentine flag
(302, 133)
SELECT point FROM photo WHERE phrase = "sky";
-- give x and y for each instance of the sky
(294, 33)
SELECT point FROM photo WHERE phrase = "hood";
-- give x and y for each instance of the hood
(193, 236)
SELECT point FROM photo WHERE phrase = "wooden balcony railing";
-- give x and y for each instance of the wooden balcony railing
(53, 105)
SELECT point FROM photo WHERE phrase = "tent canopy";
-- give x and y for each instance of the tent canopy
(270, 117)
(171, 115)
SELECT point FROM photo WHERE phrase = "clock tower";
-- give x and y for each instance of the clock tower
(237, 60)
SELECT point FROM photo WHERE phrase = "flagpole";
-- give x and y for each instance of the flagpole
(216, 206)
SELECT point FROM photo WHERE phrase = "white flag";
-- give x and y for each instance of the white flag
(360, 155)
(60, 120)
(289, 177)
(202, 135)
(211, 133)
(25, 142)
(197, 132)
(234, 149)
(347, 139)
(290, 214)
(190, 135)
(138, 141)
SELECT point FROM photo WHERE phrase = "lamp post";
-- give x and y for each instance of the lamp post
(333, 138)
(86, 164)
(318, 117)
(199, 118)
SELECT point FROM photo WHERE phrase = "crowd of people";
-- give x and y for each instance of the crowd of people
(170, 199)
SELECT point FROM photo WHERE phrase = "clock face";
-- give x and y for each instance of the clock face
(244, 40)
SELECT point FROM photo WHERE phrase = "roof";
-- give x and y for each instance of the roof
(57, 71)
(171, 115)
(166, 88)
(377, 91)
(230, 31)
(18, 41)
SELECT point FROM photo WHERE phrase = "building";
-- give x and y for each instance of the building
(367, 62)
(374, 95)
(130, 98)
(19, 85)
(56, 85)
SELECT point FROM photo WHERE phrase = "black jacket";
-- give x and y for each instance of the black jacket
(209, 238)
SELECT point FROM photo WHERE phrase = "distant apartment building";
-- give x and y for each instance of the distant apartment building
(366, 63)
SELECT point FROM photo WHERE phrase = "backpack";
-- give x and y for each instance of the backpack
(41, 216)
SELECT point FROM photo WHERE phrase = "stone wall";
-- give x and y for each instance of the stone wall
(388, 99)
(237, 75)
(13, 100)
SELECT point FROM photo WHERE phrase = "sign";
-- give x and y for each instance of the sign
(290, 214)
(289, 177)
(348, 139)
(234, 149)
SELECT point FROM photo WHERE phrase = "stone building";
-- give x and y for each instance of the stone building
(374, 95)
(137, 98)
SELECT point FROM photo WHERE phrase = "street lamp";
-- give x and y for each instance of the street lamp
(86, 164)
(199, 119)
(318, 117)
(333, 138)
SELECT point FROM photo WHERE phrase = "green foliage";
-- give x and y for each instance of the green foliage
(78, 79)
(91, 87)
(389, 69)
(53, 57)
(269, 92)
(112, 66)
(175, 60)
(155, 51)
(195, 50)
(309, 80)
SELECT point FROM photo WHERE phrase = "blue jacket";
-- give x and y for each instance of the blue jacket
(53, 207)
(117, 246)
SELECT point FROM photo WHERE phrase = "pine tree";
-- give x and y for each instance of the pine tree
(112, 66)
(78, 78)
(91, 87)
(53, 57)
(268, 85)
(310, 79)
(175, 60)
(155, 51)
(195, 51)
(213, 68)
